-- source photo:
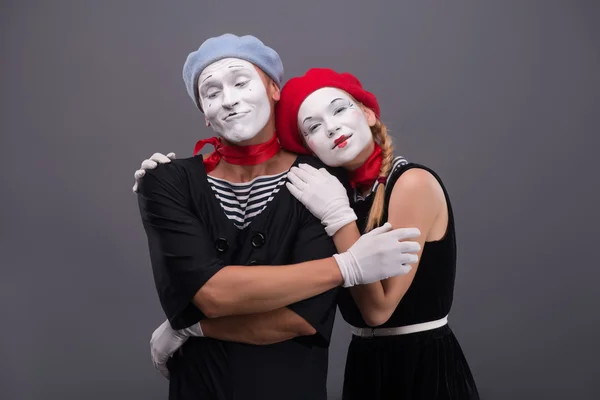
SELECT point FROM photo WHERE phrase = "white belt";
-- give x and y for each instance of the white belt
(401, 330)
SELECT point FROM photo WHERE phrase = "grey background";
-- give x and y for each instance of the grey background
(501, 98)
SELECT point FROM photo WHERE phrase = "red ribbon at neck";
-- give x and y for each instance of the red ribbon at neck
(238, 155)
(365, 176)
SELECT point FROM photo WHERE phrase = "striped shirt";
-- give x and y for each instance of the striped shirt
(241, 202)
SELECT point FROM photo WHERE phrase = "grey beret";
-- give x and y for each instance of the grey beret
(246, 47)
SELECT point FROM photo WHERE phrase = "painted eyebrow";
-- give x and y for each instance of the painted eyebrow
(332, 101)
(231, 66)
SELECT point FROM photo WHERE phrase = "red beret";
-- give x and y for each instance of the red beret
(296, 90)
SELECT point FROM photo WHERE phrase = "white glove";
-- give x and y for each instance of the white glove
(322, 194)
(165, 341)
(151, 163)
(378, 255)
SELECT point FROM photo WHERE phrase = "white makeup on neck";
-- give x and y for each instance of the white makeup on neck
(333, 126)
(234, 99)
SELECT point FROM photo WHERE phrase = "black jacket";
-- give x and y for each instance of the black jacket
(190, 239)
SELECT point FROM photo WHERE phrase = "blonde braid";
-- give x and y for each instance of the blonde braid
(381, 136)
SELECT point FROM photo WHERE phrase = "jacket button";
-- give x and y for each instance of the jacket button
(258, 240)
(221, 245)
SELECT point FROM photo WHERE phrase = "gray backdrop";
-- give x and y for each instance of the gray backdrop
(501, 98)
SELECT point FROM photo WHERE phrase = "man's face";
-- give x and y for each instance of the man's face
(234, 99)
(334, 126)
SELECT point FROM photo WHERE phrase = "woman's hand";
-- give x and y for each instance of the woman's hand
(323, 195)
(151, 163)
(165, 341)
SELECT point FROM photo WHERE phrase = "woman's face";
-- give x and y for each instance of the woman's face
(334, 126)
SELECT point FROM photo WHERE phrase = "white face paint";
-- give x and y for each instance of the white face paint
(234, 99)
(334, 126)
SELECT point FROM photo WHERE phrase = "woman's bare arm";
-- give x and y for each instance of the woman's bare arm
(417, 200)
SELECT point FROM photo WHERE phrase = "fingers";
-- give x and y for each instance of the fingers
(149, 164)
(382, 229)
(160, 363)
(297, 193)
(309, 168)
(163, 370)
(325, 173)
(160, 158)
(405, 269)
(302, 174)
(411, 258)
(409, 247)
(405, 233)
(296, 181)
(139, 174)
(315, 172)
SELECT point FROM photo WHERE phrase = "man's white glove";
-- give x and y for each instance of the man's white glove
(379, 254)
(151, 163)
(165, 341)
(322, 194)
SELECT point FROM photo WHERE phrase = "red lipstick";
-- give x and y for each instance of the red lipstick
(340, 140)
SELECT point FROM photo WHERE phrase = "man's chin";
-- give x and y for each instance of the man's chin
(238, 138)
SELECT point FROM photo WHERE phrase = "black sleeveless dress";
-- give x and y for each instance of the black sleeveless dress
(418, 366)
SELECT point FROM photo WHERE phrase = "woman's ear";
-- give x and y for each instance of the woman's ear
(369, 115)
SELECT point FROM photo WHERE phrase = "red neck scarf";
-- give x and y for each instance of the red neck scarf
(365, 176)
(238, 155)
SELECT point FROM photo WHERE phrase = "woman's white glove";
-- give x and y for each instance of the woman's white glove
(165, 341)
(151, 163)
(379, 254)
(322, 194)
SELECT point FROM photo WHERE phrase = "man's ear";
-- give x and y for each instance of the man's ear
(369, 115)
(275, 91)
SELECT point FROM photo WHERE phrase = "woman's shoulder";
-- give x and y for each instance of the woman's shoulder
(411, 176)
